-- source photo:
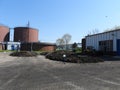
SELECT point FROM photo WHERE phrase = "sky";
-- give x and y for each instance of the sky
(54, 18)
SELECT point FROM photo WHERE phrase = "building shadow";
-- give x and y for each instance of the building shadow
(6, 38)
(111, 58)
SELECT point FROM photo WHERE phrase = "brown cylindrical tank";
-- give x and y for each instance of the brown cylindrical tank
(4, 33)
(25, 34)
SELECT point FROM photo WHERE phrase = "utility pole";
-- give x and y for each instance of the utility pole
(31, 43)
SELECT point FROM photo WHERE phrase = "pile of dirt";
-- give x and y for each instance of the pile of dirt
(24, 54)
(72, 57)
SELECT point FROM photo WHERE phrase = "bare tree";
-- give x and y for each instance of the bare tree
(60, 42)
(94, 31)
(107, 30)
(66, 39)
(117, 27)
(112, 29)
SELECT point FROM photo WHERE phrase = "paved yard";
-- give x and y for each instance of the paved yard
(38, 73)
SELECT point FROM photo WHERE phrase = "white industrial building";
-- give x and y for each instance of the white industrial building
(107, 41)
(10, 45)
(13, 45)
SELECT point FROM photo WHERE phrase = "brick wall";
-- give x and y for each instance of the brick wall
(37, 47)
(25, 34)
(48, 48)
(4, 34)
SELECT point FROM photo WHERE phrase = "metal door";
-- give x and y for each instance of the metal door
(118, 46)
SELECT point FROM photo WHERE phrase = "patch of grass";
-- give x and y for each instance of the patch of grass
(6, 51)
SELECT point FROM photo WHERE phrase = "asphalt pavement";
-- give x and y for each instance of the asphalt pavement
(38, 73)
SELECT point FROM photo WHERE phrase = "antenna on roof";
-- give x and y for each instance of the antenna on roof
(28, 25)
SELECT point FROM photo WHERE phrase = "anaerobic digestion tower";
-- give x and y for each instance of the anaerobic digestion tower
(25, 34)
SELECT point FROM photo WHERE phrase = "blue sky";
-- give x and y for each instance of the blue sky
(54, 18)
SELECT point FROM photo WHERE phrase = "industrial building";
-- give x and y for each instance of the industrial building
(25, 34)
(4, 33)
(38, 46)
(4, 36)
(13, 45)
(106, 42)
(29, 40)
(25, 38)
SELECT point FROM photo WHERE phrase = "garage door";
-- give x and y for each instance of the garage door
(118, 46)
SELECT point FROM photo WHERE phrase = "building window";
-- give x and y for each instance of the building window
(106, 46)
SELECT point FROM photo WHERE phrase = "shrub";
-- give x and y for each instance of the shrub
(93, 53)
(78, 50)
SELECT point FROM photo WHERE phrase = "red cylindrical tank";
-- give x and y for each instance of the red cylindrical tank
(25, 34)
(4, 33)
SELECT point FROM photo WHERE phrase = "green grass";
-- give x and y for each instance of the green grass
(6, 51)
